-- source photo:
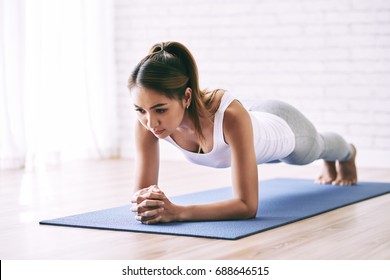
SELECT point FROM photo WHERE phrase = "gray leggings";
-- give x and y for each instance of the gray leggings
(309, 144)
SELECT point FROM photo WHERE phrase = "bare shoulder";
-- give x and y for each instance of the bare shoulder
(236, 121)
(236, 114)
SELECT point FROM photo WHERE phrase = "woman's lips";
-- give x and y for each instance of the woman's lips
(158, 132)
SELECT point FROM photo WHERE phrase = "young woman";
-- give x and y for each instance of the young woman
(213, 128)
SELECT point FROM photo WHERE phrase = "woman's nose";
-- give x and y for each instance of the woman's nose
(152, 122)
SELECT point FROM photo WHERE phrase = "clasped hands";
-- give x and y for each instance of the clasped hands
(151, 206)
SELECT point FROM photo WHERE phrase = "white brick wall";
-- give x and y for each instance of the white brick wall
(329, 58)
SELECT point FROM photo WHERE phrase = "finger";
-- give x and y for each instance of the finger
(134, 207)
(140, 198)
(153, 195)
(138, 209)
(149, 196)
(155, 189)
(138, 193)
(149, 215)
(152, 203)
(147, 205)
(153, 221)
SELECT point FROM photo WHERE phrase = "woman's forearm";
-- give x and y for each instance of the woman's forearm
(233, 209)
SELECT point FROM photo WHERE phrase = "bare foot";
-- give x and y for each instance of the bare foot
(329, 173)
(346, 171)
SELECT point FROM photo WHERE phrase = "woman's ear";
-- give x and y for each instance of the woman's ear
(187, 97)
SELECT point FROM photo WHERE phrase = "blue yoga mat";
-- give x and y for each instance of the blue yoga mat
(282, 201)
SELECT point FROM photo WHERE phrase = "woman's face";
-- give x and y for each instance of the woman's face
(156, 112)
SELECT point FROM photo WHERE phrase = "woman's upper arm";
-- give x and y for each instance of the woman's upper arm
(147, 158)
(238, 133)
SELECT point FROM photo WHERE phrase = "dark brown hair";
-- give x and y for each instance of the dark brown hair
(170, 68)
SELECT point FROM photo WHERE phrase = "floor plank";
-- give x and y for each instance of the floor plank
(358, 231)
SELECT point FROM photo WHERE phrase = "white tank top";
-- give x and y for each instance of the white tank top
(273, 139)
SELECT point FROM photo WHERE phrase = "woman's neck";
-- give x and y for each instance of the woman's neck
(187, 125)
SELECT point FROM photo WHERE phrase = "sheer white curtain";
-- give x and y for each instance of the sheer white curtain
(12, 138)
(57, 81)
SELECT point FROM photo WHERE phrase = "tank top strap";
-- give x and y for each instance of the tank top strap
(218, 138)
(225, 102)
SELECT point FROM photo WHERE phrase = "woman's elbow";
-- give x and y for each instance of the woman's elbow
(249, 213)
(252, 213)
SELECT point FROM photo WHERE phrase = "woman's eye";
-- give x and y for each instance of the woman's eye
(139, 110)
(161, 111)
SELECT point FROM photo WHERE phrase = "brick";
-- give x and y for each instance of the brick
(280, 7)
(372, 79)
(373, 5)
(381, 143)
(300, 42)
(302, 18)
(373, 53)
(382, 118)
(380, 92)
(351, 17)
(367, 29)
(354, 40)
(278, 30)
(327, 29)
(370, 130)
(348, 92)
(326, 79)
(326, 5)
(300, 92)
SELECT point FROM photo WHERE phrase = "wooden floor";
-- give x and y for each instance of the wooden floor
(359, 231)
